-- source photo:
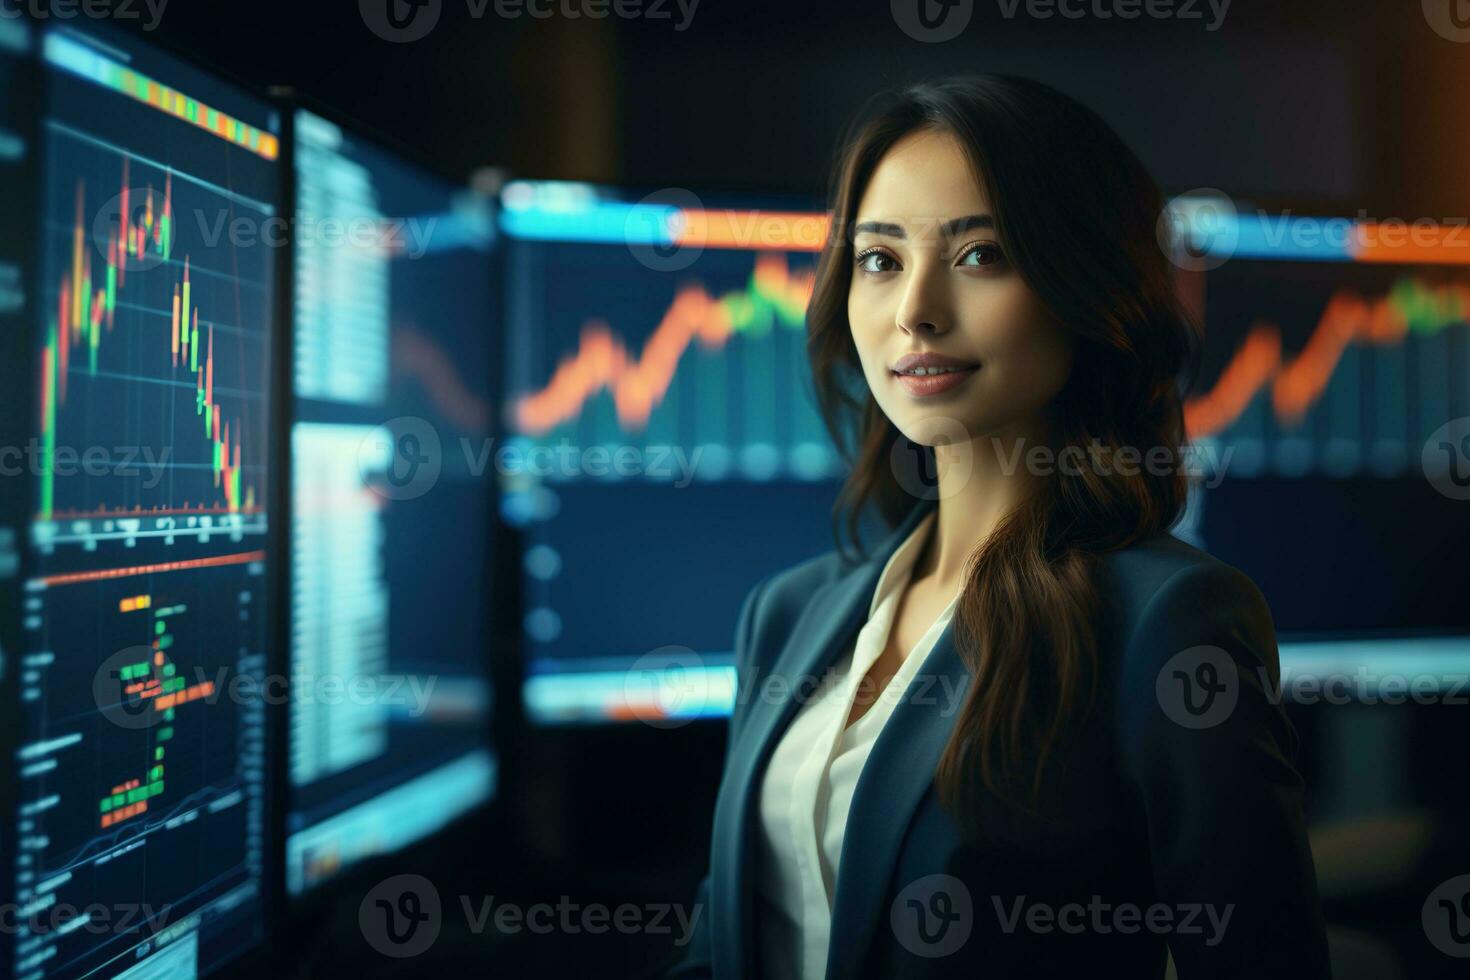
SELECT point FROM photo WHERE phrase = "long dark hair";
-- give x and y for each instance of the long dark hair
(1077, 213)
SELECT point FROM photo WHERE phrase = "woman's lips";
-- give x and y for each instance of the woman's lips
(928, 385)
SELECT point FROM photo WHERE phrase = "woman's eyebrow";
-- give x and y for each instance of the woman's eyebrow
(879, 228)
(951, 228)
(948, 229)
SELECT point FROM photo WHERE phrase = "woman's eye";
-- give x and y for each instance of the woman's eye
(984, 256)
(873, 262)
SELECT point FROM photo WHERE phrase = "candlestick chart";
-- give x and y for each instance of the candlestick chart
(153, 361)
(143, 598)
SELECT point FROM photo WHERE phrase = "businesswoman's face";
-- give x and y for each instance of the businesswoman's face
(932, 276)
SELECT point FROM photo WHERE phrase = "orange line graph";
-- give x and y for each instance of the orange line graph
(639, 384)
(1296, 383)
(70, 578)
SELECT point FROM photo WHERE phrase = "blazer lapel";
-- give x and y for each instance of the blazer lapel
(897, 775)
(831, 618)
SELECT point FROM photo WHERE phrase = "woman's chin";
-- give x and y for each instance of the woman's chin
(936, 427)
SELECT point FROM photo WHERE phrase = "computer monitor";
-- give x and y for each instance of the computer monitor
(140, 803)
(392, 503)
(663, 450)
(18, 228)
(1331, 427)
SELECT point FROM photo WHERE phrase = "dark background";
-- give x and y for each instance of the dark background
(1305, 98)
(1296, 104)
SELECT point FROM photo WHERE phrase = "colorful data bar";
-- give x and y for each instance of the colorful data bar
(1218, 228)
(643, 224)
(182, 695)
(570, 212)
(94, 66)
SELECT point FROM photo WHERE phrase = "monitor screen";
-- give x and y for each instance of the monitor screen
(663, 451)
(1335, 375)
(392, 503)
(141, 803)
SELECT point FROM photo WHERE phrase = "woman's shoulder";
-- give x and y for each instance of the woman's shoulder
(1196, 678)
(775, 604)
(1166, 596)
(1129, 577)
(1155, 593)
(787, 589)
(1163, 570)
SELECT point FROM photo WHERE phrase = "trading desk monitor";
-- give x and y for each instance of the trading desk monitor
(140, 799)
(666, 453)
(1332, 433)
(392, 504)
(664, 450)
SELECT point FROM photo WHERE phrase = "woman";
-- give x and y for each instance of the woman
(1032, 733)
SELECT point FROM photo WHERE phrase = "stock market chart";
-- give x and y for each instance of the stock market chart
(658, 397)
(1329, 387)
(140, 823)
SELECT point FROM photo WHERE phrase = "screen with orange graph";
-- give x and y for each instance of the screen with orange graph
(663, 446)
(1326, 402)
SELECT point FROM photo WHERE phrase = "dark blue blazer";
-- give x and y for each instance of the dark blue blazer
(1181, 799)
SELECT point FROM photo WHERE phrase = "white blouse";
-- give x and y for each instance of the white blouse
(809, 783)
